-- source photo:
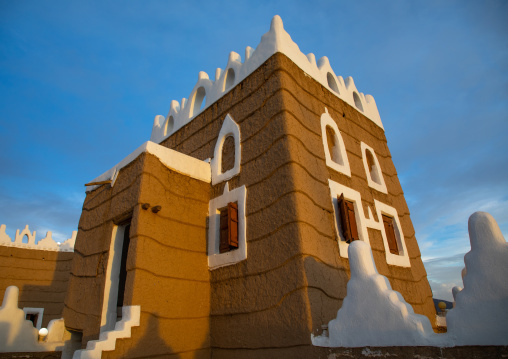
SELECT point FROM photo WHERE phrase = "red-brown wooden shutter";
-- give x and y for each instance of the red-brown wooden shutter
(344, 218)
(233, 225)
(390, 234)
(347, 219)
(224, 243)
(352, 220)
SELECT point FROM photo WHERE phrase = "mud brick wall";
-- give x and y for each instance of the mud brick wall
(41, 276)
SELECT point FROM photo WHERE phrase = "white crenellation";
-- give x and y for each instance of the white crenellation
(46, 244)
(275, 40)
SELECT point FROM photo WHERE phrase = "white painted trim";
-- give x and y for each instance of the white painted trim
(402, 259)
(274, 41)
(109, 312)
(336, 189)
(363, 223)
(229, 128)
(216, 259)
(38, 311)
(107, 340)
(381, 187)
(327, 120)
(174, 160)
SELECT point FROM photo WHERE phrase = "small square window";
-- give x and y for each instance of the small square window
(34, 315)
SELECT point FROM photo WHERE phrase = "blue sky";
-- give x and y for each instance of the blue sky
(80, 84)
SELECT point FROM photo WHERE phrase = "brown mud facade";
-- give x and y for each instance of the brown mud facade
(41, 276)
(167, 271)
(293, 280)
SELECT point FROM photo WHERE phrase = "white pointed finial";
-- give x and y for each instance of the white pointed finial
(276, 23)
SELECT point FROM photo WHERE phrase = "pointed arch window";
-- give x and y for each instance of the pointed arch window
(372, 169)
(226, 158)
(335, 150)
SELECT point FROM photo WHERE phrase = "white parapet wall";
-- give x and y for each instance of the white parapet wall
(274, 41)
(19, 335)
(47, 243)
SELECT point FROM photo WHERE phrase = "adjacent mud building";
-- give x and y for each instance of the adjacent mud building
(230, 228)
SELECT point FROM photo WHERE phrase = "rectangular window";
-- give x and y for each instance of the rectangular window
(229, 228)
(390, 234)
(347, 219)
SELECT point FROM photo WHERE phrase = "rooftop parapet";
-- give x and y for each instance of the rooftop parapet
(275, 40)
(46, 244)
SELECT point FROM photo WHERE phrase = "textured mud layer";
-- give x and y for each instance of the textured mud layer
(41, 276)
(167, 272)
(294, 279)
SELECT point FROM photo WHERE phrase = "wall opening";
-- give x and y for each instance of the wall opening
(199, 101)
(332, 83)
(228, 154)
(170, 123)
(358, 101)
(230, 79)
(116, 275)
(373, 170)
(123, 267)
(333, 146)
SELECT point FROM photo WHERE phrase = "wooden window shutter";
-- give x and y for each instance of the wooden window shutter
(390, 234)
(347, 219)
(233, 225)
(228, 228)
(224, 244)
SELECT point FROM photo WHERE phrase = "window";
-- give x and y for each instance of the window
(347, 219)
(390, 234)
(229, 228)
(372, 169)
(227, 243)
(34, 315)
(334, 148)
(228, 142)
(393, 237)
(228, 154)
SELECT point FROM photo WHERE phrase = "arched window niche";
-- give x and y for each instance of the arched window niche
(358, 101)
(230, 79)
(335, 151)
(372, 169)
(332, 83)
(229, 129)
(198, 101)
(168, 127)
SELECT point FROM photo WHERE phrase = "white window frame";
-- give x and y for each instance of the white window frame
(215, 258)
(401, 259)
(381, 187)
(38, 311)
(336, 189)
(229, 128)
(363, 223)
(327, 120)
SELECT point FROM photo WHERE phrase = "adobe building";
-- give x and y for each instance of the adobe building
(226, 235)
